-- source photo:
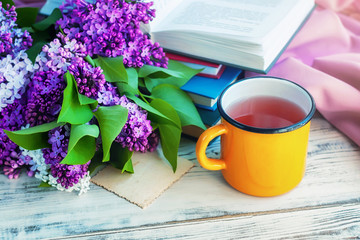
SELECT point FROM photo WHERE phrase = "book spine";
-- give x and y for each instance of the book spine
(217, 76)
(191, 60)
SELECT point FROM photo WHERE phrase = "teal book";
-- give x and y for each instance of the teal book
(205, 91)
(209, 118)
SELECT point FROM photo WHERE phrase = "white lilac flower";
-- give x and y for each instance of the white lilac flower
(15, 72)
(37, 163)
(82, 186)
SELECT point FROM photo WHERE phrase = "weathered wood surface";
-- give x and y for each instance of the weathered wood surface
(326, 204)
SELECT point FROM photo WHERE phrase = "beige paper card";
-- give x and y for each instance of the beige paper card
(151, 178)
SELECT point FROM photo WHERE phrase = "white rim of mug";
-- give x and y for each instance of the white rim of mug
(248, 128)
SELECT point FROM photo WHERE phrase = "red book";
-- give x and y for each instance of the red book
(210, 70)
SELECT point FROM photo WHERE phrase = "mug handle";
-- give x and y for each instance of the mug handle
(203, 142)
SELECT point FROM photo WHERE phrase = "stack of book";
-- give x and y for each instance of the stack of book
(205, 88)
(224, 38)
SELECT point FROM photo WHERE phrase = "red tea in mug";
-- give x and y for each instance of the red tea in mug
(266, 112)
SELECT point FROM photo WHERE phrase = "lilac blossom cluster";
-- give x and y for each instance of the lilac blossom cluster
(66, 175)
(31, 95)
(11, 160)
(44, 99)
(111, 28)
(45, 164)
(45, 96)
(15, 66)
(59, 54)
(137, 129)
(15, 72)
(12, 39)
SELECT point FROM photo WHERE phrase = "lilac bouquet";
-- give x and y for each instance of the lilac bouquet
(92, 93)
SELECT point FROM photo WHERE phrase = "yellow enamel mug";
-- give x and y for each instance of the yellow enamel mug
(260, 161)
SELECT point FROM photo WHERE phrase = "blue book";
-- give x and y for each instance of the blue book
(205, 91)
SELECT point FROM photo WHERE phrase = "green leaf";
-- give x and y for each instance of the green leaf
(158, 72)
(111, 120)
(131, 86)
(35, 50)
(169, 134)
(26, 16)
(82, 145)
(186, 71)
(10, 2)
(88, 59)
(133, 78)
(156, 115)
(47, 22)
(96, 162)
(84, 100)
(181, 102)
(150, 83)
(76, 108)
(126, 89)
(165, 109)
(170, 141)
(40, 38)
(120, 158)
(33, 138)
(128, 167)
(44, 184)
(61, 30)
(184, 74)
(113, 69)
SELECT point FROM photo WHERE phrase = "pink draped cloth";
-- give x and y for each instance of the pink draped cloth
(29, 3)
(324, 58)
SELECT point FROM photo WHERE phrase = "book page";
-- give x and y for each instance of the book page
(250, 18)
(163, 8)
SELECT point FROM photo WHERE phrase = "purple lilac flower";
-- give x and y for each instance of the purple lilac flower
(12, 39)
(59, 141)
(11, 159)
(137, 129)
(89, 79)
(111, 28)
(68, 175)
(15, 71)
(65, 175)
(153, 141)
(45, 96)
(59, 54)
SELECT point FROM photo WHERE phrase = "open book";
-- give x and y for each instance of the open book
(250, 34)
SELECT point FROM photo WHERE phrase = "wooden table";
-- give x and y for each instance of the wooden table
(201, 205)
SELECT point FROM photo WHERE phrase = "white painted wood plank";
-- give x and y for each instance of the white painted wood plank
(335, 222)
(332, 177)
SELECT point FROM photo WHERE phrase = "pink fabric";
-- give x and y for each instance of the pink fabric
(324, 58)
(29, 3)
